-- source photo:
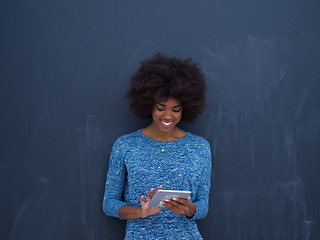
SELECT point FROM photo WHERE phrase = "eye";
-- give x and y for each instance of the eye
(176, 110)
(160, 109)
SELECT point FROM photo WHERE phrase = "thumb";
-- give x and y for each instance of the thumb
(141, 200)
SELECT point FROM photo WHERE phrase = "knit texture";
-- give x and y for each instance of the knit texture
(137, 164)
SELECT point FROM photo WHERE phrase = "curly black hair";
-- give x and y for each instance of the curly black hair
(161, 77)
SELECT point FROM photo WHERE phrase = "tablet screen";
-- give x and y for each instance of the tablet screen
(161, 195)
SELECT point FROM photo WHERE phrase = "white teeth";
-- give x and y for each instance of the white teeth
(166, 124)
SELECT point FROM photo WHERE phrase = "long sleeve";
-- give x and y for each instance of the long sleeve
(116, 178)
(202, 196)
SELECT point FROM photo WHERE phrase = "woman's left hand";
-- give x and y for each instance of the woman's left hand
(180, 206)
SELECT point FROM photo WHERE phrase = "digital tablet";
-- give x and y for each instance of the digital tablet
(161, 195)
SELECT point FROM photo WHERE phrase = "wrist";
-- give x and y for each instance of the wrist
(141, 213)
(192, 210)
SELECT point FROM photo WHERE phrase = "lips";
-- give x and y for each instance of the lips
(167, 124)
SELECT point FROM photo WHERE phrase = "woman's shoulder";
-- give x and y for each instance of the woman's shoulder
(128, 138)
(197, 142)
(197, 138)
(200, 146)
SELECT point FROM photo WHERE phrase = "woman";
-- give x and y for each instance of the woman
(168, 90)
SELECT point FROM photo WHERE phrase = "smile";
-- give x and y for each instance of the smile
(166, 124)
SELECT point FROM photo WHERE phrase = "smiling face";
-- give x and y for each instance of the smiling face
(166, 116)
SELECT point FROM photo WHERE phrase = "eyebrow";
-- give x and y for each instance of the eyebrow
(163, 105)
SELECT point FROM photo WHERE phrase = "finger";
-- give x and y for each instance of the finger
(172, 204)
(181, 206)
(141, 200)
(149, 193)
(182, 201)
(168, 204)
(156, 191)
(176, 203)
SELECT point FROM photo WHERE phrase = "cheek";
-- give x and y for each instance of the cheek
(155, 114)
(179, 115)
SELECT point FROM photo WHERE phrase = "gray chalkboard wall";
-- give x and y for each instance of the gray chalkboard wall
(65, 68)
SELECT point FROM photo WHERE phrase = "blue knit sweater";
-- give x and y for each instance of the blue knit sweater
(137, 164)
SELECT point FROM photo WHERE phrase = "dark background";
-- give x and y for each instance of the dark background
(65, 68)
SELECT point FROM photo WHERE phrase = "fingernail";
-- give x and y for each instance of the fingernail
(174, 199)
(167, 200)
(161, 203)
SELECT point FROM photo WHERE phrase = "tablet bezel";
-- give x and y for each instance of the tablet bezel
(161, 195)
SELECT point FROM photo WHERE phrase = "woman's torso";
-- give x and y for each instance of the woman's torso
(178, 167)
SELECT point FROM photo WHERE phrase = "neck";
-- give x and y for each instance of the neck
(162, 136)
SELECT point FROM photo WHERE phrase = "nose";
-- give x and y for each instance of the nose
(167, 115)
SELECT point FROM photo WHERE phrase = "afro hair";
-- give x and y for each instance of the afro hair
(161, 77)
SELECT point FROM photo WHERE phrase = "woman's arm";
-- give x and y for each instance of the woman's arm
(133, 212)
(202, 196)
(130, 212)
(116, 178)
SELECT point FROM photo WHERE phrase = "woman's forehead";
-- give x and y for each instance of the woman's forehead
(169, 101)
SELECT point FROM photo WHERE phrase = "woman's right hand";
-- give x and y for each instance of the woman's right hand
(145, 209)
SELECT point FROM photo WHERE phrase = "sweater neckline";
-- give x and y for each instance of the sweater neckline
(153, 140)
